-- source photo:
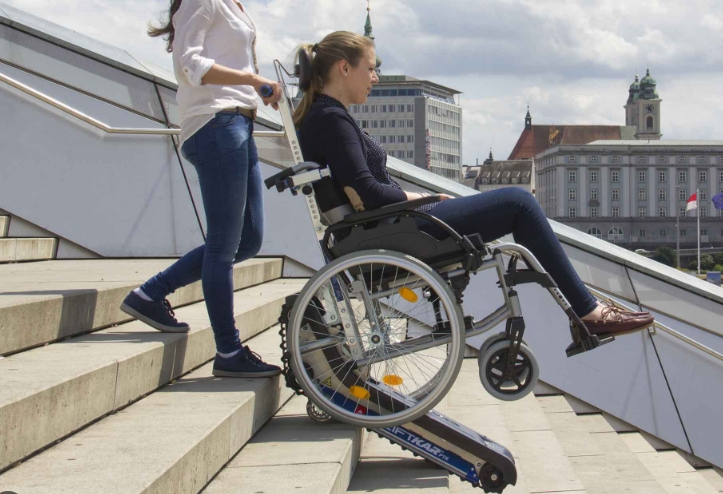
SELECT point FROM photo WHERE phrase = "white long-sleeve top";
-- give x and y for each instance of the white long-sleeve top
(208, 32)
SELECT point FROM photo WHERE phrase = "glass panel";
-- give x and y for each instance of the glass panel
(79, 71)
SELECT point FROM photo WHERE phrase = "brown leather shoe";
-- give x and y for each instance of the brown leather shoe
(617, 321)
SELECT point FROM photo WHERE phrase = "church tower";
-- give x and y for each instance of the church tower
(368, 34)
(642, 109)
(528, 119)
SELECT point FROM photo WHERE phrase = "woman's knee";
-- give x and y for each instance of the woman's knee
(250, 248)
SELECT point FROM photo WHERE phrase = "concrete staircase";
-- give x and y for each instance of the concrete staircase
(24, 249)
(91, 402)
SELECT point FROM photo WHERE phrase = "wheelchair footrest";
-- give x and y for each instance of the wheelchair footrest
(587, 344)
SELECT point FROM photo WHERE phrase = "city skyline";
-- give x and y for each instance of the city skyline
(573, 65)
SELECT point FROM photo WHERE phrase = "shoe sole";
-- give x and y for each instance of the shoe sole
(623, 333)
(220, 373)
(156, 325)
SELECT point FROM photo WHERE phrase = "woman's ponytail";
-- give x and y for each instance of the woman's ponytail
(166, 30)
(340, 45)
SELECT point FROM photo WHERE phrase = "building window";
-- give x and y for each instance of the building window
(682, 159)
(641, 233)
(703, 160)
(702, 176)
(720, 174)
(615, 176)
(593, 194)
(615, 159)
(663, 233)
(593, 176)
(682, 176)
(572, 159)
(410, 154)
(400, 108)
(662, 177)
(410, 123)
(375, 124)
(572, 194)
(703, 212)
(573, 176)
(410, 138)
(703, 232)
(616, 194)
(410, 108)
(662, 194)
(593, 159)
(662, 212)
(364, 124)
(392, 123)
(642, 212)
(703, 194)
(572, 213)
(641, 176)
(615, 233)
(593, 212)
(682, 194)
(595, 232)
(650, 123)
(616, 212)
(383, 124)
(663, 160)
(681, 212)
(642, 159)
(392, 139)
(683, 233)
(641, 194)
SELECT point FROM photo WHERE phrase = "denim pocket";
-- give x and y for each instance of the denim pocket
(223, 119)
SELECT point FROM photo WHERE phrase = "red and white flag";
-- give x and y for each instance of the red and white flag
(692, 203)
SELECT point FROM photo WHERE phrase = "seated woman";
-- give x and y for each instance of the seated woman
(343, 74)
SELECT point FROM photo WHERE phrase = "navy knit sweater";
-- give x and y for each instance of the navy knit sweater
(329, 135)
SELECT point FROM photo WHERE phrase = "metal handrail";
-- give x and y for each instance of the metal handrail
(97, 123)
(664, 328)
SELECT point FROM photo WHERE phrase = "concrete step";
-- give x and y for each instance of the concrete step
(386, 468)
(714, 476)
(47, 301)
(293, 454)
(49, 392)
(522, 427)
(171, 442)
(599, 455)
(669, 468)
(27, 249)
(4, 225)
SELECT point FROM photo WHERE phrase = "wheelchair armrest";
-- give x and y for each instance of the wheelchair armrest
(391, 208)
(279, 180)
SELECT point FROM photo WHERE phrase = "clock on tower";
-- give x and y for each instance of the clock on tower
(649, 109)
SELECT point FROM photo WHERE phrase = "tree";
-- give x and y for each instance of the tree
(665, 255)
(718, 258)
(706, 262)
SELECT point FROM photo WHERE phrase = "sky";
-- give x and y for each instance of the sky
(572, 61)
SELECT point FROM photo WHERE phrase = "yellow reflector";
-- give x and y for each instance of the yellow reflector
(359, 392)
(393, 380)
(408, 294)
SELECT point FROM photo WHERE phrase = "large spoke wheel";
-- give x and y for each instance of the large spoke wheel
(376, 339)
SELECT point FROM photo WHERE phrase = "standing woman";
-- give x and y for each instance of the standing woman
(213, 43)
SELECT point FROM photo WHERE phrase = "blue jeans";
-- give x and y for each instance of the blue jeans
(226, 160)
(513, 210)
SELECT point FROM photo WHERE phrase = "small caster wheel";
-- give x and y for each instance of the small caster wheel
(316, 414)
(501, 336)
(508, 384)
(491, 479)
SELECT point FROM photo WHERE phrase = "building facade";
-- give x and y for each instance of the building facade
(416, 121)
(493, 174)
(632, 192)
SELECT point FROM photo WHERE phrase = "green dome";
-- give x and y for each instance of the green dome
(634, 92)
(648, 88)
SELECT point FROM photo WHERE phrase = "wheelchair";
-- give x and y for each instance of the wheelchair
(376, 337)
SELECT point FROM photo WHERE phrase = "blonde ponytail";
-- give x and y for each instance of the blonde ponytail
(339, 45)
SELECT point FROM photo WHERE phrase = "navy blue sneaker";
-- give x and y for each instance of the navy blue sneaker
(244, 364)
(157, 314)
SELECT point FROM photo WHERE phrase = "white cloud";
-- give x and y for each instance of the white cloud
(572, 60)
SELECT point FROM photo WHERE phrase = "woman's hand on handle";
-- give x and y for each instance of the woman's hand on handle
(274, 98)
